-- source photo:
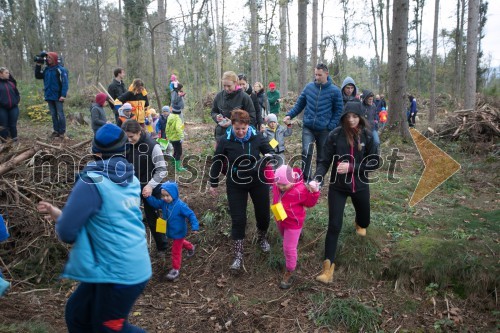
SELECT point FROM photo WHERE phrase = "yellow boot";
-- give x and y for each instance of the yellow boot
(327, 275)
(360, 231)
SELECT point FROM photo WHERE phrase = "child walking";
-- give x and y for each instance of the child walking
(124, 114)
(175, 133)
(289, 190)
(276, 134)
(175, 211)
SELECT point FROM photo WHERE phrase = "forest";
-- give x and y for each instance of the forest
(432, 267)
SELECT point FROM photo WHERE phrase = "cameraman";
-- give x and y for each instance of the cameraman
(55, 86)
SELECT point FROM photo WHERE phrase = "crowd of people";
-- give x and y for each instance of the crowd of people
(102, 218)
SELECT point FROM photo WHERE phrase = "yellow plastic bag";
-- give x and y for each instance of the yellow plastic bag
(161, 226)
(279, 211)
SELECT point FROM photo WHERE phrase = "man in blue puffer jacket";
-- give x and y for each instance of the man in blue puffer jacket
(322, 102)
(55, 86)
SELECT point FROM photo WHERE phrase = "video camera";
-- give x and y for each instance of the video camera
(41, 58)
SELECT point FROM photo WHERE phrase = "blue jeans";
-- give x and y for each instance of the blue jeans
(102, 307)
(376, 139)
(8, 122)
(309, 137)
(58, 118)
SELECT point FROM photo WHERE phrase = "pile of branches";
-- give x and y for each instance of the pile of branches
(477, 129)
(29, 174)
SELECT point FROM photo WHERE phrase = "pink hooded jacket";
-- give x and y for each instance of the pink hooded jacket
(295, 201)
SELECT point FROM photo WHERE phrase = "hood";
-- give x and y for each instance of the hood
(349, 80)
(122, 114)
(117, 169)
(366, 93)
(352, 107)
(131, 89)
(172, 189)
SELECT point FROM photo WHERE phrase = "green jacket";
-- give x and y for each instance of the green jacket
(272, 97)
(175, 128)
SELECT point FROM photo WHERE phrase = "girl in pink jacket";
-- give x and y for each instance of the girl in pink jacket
(291, 195)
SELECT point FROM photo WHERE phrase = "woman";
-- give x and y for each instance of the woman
(137, 96)
(243, 82)
(103, 221)
(241, 149)
(9, 110)
(149, 166)
(261, 95)
(353, 152)
(232, 97)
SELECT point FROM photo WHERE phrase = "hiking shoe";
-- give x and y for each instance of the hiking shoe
(173, 275)
(4, 286)
(190, 253)
(287, 280)
(54, 135)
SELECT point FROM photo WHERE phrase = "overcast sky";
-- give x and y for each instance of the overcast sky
(236, 14)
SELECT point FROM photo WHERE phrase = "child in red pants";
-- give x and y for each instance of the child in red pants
(289, 190)
(175, 211)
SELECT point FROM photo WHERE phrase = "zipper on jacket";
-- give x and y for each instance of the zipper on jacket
(352, 175)
(317, 99)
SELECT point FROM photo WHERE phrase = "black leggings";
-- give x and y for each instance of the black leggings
(237, 196)
(177, 149)
(151, 216)
(336, 205)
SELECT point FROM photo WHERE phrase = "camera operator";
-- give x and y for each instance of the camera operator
(55, 85)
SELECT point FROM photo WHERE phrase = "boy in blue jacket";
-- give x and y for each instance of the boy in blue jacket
(175, 211)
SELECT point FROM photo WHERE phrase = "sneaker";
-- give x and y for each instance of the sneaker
(236, 265)
(264, 245)
(287, 280)
(173, 275)
(54, 135)
(190, 253)
(4, 286)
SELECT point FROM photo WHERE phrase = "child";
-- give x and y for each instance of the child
(277, 132)
(162, 122)
(383, 118)
(150, 119)
(177, 98)
(175, 211)
(289, 190)
(124, 114)
(97, 113)
(175, 133)
(173, 82)
(4, 234)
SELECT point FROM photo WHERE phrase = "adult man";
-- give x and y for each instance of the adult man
(55, 86)
(322, 101)
(117, 88)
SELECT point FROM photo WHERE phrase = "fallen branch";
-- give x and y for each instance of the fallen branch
(9, 165)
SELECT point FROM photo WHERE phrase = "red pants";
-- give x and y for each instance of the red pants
(177, 247)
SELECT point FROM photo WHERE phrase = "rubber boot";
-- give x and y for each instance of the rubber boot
(327, 275)
(178, 166)
(360, 231)
(238, 255)
(262, 240)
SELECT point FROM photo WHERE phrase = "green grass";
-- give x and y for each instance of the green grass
(347, 313)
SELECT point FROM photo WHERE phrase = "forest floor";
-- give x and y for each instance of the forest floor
(402, 277)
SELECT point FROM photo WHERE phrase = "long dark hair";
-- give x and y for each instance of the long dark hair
(353, 134)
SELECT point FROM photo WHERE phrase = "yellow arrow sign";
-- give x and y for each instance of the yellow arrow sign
(439, 166)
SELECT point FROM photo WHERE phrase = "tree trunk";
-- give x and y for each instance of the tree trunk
(389, 33)
(432, 110)
(254, 42)
(302, 45)
(283, 50)
(375, 44)
(398, 67)
(119, 47)
(314, 46)
(471, 59)
(322, 47)
(292, 79)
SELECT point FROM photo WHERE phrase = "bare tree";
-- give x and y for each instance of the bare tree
(254, 41)
(314, 45)
(471, 58)
(388, 29)
(302, 45)
(398, 66)
(432, 110)
(283, 49)
(119, 46)
(375, 43)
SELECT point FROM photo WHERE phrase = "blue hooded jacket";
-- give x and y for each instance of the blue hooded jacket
(322, 103)
(175, 212)
(55, 81)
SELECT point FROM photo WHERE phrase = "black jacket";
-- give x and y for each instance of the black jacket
(337, 150)
(116, 89)
(9, 95)
(225, 103)
(243, 159)
(141, 156)
(256, 106)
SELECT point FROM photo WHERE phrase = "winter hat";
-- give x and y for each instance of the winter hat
(272, 85)
(54, 57)
(272, 117)
(165, 109)
(126, 107)
(284, 175)
(100, 98)
(173, 77)
(353, 107)
(109, 139)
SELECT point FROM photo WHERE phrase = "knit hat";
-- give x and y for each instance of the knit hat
(284, 175)
(272, 85)
(165, 109)
(126, 107)
(173, 77)
(54, 56)
(109, 139)
(271, 117)
(100, 98)
(353, 107)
